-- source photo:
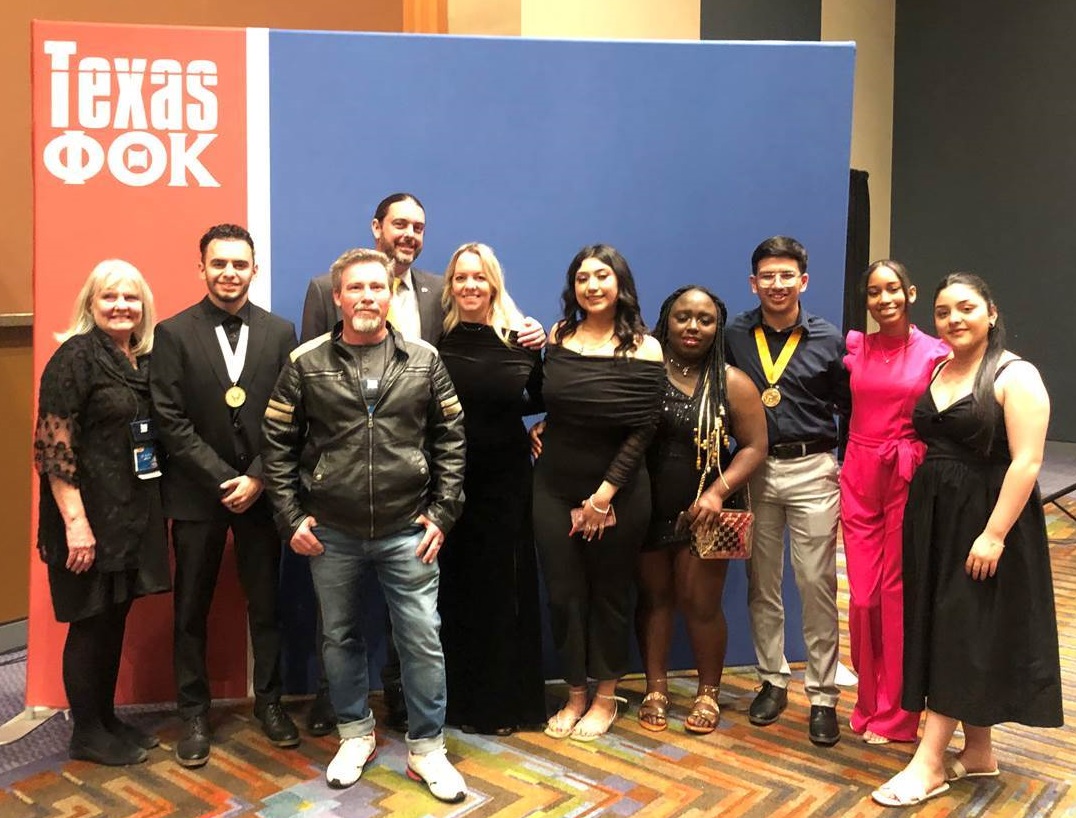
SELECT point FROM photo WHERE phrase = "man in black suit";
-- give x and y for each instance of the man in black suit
(214, 367)
(399, 225)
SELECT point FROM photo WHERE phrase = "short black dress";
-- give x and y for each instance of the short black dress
(490, 617)
(90, 393)
(672, 461)
(981, 651)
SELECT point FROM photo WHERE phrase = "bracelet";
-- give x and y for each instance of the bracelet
(591, 503)
(725, 483)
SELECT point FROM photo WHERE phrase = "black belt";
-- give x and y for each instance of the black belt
(787, 451)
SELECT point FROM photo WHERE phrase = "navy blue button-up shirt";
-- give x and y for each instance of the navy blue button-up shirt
(814, 386)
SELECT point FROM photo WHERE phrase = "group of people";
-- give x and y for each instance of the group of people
(392, 440)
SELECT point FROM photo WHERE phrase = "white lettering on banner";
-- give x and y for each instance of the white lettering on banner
(165, 112)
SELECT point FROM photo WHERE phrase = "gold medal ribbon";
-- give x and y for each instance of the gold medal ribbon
(771, 370)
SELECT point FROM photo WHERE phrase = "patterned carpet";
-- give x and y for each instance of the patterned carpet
(739, 770)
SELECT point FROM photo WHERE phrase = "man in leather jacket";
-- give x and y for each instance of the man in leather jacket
(363, 458)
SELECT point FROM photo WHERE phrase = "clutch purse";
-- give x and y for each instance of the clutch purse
(577, 518)
(730, 539)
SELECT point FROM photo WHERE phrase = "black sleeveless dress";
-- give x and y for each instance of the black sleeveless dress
(490, 617)
(674, 477)
(981, 651)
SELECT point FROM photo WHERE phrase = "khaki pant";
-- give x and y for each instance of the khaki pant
(803, 495)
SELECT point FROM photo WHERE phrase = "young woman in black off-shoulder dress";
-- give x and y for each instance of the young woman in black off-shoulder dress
(602, 390)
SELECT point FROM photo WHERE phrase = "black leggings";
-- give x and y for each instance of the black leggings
(91, 665)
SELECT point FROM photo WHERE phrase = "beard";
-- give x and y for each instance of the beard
(366, 324)
(399, 253)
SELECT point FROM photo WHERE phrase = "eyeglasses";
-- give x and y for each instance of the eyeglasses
(784, 277)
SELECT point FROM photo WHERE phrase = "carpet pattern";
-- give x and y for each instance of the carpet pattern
(739, 770)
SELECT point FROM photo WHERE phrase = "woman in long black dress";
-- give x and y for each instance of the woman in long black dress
(100, 526)
(490, 621)
(980, 643)
(705, 401)
(602, 391)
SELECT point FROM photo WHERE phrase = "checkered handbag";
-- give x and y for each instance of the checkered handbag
(731, 538)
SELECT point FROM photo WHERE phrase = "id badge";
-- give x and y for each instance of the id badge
(144, 458)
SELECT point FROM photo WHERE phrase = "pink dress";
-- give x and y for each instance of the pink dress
(887, 377)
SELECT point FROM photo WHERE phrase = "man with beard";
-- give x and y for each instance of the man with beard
(214, 366)
(364, 461)
(398, 227)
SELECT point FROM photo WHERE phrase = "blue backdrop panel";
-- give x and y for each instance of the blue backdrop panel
(683, 155)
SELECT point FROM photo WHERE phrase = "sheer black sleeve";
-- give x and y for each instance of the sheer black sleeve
(65, 385)
(631, 452)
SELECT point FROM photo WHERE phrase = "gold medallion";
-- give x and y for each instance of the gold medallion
(771, 397)
(235, 397)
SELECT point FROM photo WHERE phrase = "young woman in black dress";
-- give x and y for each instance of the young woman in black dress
(702, 395)
(490, 621)
(980, 643)
(602, 392)
(101, 530)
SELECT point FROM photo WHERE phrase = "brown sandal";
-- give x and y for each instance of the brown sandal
(705, 710)
(653, 712)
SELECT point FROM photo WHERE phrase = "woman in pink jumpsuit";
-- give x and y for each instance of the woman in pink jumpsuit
(889, 369)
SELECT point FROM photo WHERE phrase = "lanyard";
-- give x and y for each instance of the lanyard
(233, 359)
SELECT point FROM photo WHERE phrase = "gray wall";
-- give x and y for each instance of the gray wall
(760, 20)
(984, 167)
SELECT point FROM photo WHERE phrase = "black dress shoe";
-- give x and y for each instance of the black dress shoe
(824, 730)
(320, 718)
(192, 750)
(101, 747)
(770, 702)
(277, 725)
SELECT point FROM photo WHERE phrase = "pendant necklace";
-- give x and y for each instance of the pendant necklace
(683, 369)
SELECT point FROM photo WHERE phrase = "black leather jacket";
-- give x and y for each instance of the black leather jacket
(367, 474)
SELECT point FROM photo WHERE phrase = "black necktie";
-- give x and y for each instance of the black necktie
(232, 325)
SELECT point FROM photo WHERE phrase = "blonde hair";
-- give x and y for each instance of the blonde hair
(504, 315)
(105, 273)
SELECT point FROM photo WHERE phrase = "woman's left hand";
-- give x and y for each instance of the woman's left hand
(982, 561)
(704, 511)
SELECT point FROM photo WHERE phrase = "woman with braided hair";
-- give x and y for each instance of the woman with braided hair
(703, 400)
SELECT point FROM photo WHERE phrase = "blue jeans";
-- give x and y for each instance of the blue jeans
(410, 589)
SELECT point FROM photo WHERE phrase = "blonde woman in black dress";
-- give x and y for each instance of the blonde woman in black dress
(490, 621)
(101, 530)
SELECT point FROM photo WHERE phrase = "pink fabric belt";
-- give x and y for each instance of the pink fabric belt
(906, 452)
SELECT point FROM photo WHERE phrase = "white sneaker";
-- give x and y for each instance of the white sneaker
(437, 772)
(346, 766)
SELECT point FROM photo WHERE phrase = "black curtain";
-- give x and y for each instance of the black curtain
(857, 249)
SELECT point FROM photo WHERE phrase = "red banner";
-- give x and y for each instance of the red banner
(140, 144)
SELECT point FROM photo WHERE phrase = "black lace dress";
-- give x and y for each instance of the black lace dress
(490, 619)
(601, 416)
(672, 461)
(981, 651)
(89, 396)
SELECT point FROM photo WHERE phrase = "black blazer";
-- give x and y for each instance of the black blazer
(320, 313)
(188, 379)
